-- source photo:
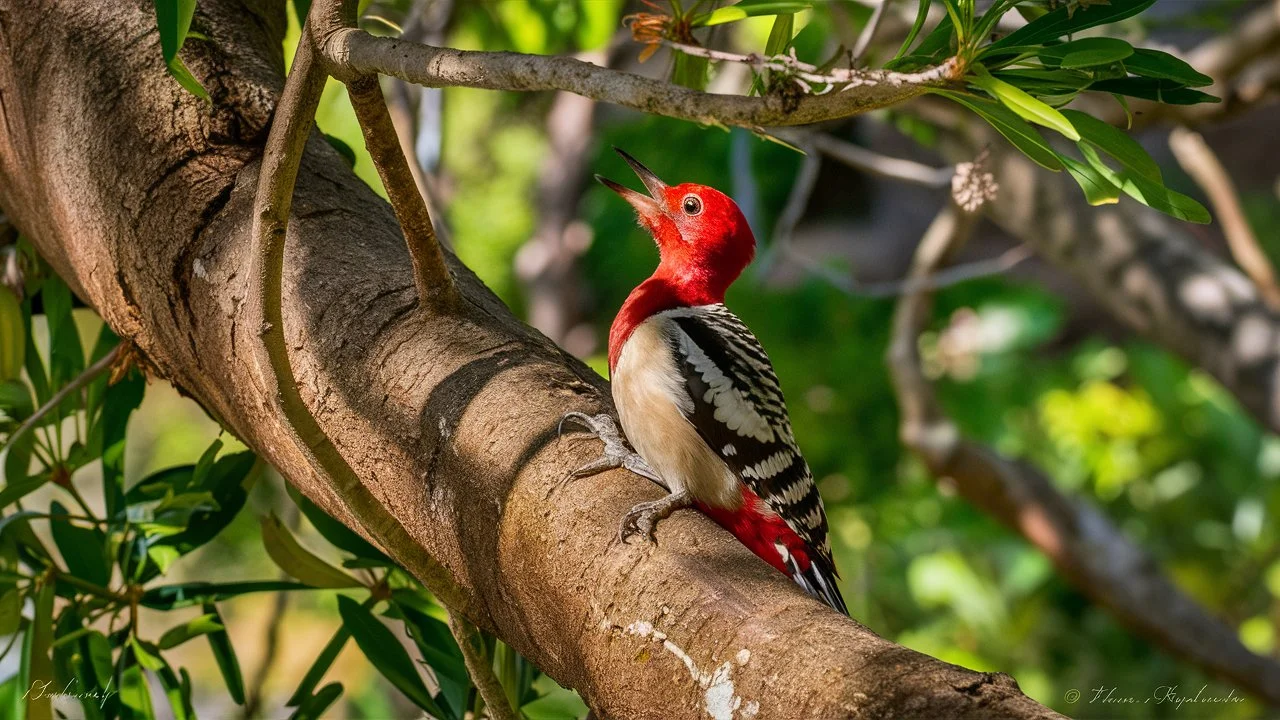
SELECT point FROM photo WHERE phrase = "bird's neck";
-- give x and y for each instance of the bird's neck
(666, 289)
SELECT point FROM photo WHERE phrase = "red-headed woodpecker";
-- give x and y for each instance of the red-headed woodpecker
(698, 397)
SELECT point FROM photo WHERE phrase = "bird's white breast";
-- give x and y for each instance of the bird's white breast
(649, 392)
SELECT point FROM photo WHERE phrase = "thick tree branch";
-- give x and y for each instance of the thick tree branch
(430, 66)
(1086, 548)
(142, 197)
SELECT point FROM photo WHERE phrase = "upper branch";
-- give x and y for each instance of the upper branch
(360, 52)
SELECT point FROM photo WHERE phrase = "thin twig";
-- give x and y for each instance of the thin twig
(294, 118)
(480, 667)
(102, 365)
(1002, 263)
(1198, 159)
(430, 272)
(358, 52)
(874, 163)
(869, 32)
(798, 199)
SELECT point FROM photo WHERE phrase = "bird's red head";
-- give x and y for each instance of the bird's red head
(704, 244)
(703, 239)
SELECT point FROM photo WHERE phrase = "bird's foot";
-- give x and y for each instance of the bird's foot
(616, 453)
(643, 518)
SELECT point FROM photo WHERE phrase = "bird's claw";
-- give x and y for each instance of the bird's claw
(643, 518)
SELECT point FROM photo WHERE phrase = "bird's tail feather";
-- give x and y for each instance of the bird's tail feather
(821, 584)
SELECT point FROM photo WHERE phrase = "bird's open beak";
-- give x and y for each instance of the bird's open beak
(649, 206)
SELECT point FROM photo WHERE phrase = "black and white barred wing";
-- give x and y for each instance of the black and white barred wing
(738, 409)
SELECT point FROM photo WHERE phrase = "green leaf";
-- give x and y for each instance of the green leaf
(33, 363)
(385, 652)
(780, 34)
(36, 655)
(1097, 189)
(134, 693)
(228, 481)
(195, 627)
(1147, 192)
(1015, 129)
(98, 652)
(689, 71)
(922, 14)
(225, 655)
(300, 10)
(298, 561)
(1165, 91)
(148, 655)
(321, 666)
(178, 691)
(1086, 52)
(15, 400)
(83, 549)
(314, 706)
(66, 354)
(1163, 66)
(119, 402)
(169, 597)
(173, 17)
(748, 8)
(10, 611)
(440, 650)
(1116, 143)
(15, 491)
(1068, 20)
(338, 535)
(1027, 107)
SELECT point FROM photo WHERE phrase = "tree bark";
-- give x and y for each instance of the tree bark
(140, 195)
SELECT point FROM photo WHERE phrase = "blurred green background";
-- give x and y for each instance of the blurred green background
(1039, 373)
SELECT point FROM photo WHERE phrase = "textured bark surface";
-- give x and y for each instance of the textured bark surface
(140, 195)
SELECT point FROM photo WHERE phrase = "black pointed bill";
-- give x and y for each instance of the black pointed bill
(646, 205)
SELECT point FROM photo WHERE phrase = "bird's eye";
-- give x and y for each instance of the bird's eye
(692, 205)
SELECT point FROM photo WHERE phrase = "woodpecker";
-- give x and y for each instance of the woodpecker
(697, 396)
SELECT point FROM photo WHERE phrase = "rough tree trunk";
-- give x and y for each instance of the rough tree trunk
(140, 195)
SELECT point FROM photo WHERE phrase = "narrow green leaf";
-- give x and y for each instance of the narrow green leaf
(119, 402)
(690, 71)
(314, 706)
(98, 651)
(169, 597)
(147, 655)
(1163, 66)
(746, 9)
(1070, 19)
(1086, 52)
(225, 655)
(298, 561)
(780, 34)
(339, 535)
(83, 549)
(132, 682)
(15, 400)
(322, 664)
(1165, 91)
(36, 656)
(385, 652)
(15, 491)
(440, 650)
(10, 611)
(178, 691)
(1015, 129)
(173, 17)
(1097, 189)
(1027, 107)
(922, 14)
(1151, 194)
(195, 627)
(1116, 143)
(34, 364)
